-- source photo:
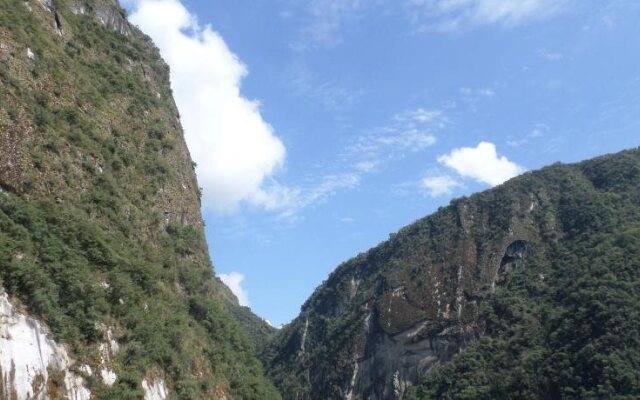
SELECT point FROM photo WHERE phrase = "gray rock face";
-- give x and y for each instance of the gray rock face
(387, 317)
(79, 9)
(108, 12)
(48, 4)
(110, 16)
(57, 23)
(514, 255)
(391, 363)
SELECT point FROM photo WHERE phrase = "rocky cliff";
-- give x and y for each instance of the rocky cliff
(107, 287)
(480, 300)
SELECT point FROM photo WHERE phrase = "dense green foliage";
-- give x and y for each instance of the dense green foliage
(561, 323)
(55, 261)
(576, 335)
(99, 214)
(100, 230)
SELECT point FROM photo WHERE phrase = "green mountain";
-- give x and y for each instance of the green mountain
(530, 290)
(107, 287)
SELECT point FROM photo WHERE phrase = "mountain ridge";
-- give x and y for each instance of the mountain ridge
(529, 290)
(101, 235)
(384, 319)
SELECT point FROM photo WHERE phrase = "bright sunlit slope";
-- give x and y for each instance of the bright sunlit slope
(102, 246)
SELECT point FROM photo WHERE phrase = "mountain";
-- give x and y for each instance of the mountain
(530, 290)
(107, 289)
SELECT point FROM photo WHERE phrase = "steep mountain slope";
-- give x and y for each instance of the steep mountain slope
(107, 287)
(530, 290)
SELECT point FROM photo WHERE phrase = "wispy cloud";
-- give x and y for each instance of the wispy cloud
(453, 15)
(481, 163)
(477, 92)
(288, 201)
(408, 132)
(394, 140)
(325, 21)
(469, 94)
(332, 94)
(539, 131)
(472, 97)
(326, 18)
(550, 55)
(411, 131)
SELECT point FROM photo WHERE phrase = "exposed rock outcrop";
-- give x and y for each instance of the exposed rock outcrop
(31, 362)
(108, 349)
(111, 17)
(391, 363)
(154, 389)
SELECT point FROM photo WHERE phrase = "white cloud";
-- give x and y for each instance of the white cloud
(451, 15)
(288, 201)
(441, 185)
(234, 281)
(409, 131)
(235, 149)
(481, 163)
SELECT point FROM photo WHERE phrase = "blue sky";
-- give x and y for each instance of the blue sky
(321, 126)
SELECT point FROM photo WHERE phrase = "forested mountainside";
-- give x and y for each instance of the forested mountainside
(107, 289)
(530, 290)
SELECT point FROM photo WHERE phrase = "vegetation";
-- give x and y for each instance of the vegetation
(576, 335)
(563, 322)
(100, 224)
(100, 230)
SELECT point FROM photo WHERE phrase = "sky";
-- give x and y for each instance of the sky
(319, 127)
